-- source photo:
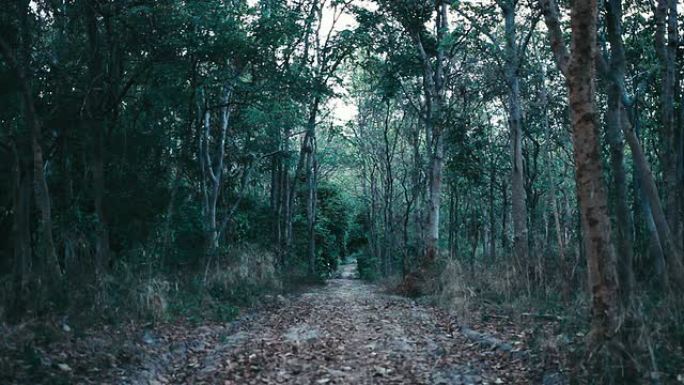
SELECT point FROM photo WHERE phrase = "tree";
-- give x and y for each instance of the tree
(579, 68)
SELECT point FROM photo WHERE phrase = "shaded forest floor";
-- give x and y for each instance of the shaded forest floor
(344, 332)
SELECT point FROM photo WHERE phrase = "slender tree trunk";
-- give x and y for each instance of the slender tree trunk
(666, 43)
(434, 201)
(42, 195)
(275, 188)
(433, 80)
(212, 174)
(21, 233)
(673, 255)
(102, 248)
(292, 192)
(95, 124)
(175, 168)
(280, 181)
(615, 119)
(212, 192)
(452, 222)
(492, 214)
(618, 119)
(311, 186)
(623, 219)
(286, 216)
(405, 232)
(456, 225)
(560, 239)
(504, 218)
(20, 64)
(680, 167)
(418, 232)
(389, 192)
(372, 215)
(518, 196)
(654, 244)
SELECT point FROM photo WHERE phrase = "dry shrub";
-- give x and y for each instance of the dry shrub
(453, 291)
(503, 282)
(245, 265)
(394, 284)
(254, 264)
(152, 299)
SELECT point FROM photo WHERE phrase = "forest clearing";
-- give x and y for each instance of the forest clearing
(342, 191)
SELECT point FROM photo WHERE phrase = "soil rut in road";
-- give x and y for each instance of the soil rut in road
(348, 332)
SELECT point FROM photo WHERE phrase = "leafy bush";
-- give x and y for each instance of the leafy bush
(368, 265)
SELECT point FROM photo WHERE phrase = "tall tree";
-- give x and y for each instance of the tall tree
(579, 67)
(413, 17)
(20, 61)
(666, 43)
(616, 117)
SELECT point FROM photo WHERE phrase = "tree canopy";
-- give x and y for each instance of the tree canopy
(537, 145)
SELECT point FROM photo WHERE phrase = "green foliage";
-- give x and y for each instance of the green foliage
(357, 236)
(357, 244)
(368, 265)
(131, 83)
(188, 235)
(332, 226)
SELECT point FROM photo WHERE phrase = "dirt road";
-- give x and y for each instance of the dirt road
(346, 332)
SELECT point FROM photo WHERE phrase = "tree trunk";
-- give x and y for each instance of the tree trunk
(518, 196)
(591, 191)
(292, 192)
(680, 163)
(504, 217)
(623, 219)
(615, 119)
(434, 201)
(433, 81)
(311, 186)
(560, 238)
(673, 255)
(212, 174)
(102, 249)
(42, 194)
(49, 261)
(654, 244)
(418, 228)
(492, 215)
(21, 232)
(389, 147)
(95, 124)
(285, 201)
(666, 43)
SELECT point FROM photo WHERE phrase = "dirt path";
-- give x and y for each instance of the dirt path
(346, 332)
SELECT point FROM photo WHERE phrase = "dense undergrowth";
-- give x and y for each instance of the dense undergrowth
(138, 292)
(553, 324)
(556, 326)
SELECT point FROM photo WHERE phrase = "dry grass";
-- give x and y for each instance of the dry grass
(245, 264)
(453, 292)
(152, 298)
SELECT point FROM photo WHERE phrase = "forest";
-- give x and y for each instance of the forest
(341, 191)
